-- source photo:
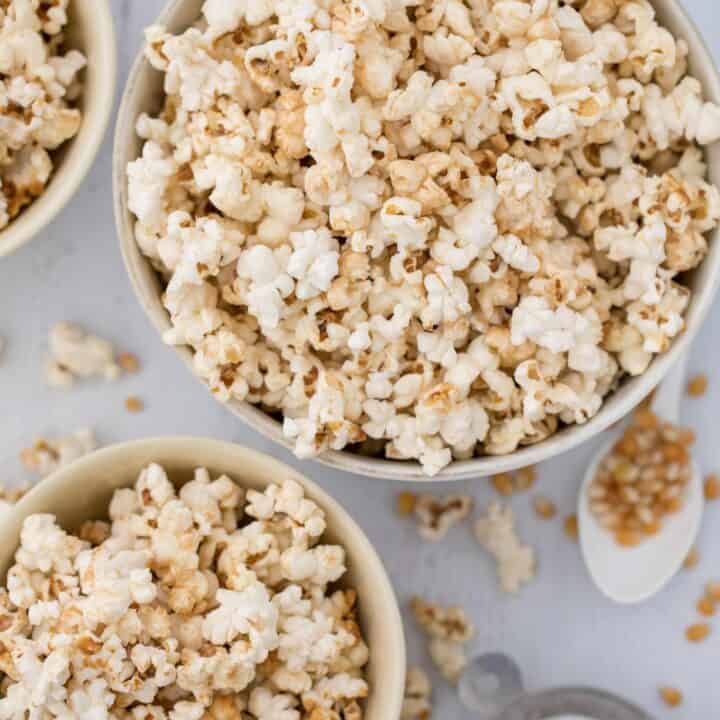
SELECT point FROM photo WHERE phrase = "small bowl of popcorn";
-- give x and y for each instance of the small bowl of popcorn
(57, 89)
(423, 240)
(182, 578)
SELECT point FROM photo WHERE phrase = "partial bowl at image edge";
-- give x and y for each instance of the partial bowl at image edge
(82, 491)
(142, 94)
(92, 31)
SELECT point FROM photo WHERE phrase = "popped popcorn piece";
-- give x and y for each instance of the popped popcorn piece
(449, 658)
(9, 496)
(430, 233)
(435, 516)
(443, 623)
(417, 703)
(448, 630)
(495, 531)
(38, 94)
(178, 610)
(76, 354)
(47, 455)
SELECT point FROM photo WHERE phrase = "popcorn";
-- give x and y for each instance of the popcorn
(448, 630)
(435, 516)
(416, 703)
(432, 233)
(449, 658)
(46, 456)
(495, 531)
(89, 627)
(9, 496)
(77, 354)
(442, 623)
(38, 90)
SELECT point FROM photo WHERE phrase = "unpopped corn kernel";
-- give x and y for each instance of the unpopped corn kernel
(503, 484)
(698, 632)
(697, 386)
(544, 507)
(405, 503)
(706, 606)
(134, 404)
(713, 591)
(525, 478)
(128, 362)
(692, 559)
(571, 527)
(712, 487)
(671, 696)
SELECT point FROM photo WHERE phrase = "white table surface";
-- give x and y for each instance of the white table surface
(561, 630)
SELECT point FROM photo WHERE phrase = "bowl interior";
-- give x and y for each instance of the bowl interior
(90, 30)
(83, 491)
(144, 93)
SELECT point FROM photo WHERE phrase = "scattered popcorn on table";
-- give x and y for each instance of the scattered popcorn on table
(39, 87)
(495, 531)
(202, 603)
(417, 704)
(9, 496)
(436, 515)
(46, 456)
(430, 232)
(76, 354)
(448, 630)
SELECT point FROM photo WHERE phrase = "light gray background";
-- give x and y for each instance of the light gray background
(560, 629)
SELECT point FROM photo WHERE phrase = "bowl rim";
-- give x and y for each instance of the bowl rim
(81, 150)
(615, 406)
(63, 483)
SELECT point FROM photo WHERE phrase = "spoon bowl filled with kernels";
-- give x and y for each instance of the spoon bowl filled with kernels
(641, 504)
(420, 242)
(183, 577)
(57, 89)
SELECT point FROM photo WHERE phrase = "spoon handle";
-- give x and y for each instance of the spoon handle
(668, 396)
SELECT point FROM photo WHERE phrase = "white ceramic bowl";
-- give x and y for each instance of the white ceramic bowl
(82, 491)
(90, 30)
(144, 94)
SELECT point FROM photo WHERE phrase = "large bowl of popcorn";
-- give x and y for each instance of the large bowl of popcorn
(183, 578)
(57, 88)
(423, 238)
